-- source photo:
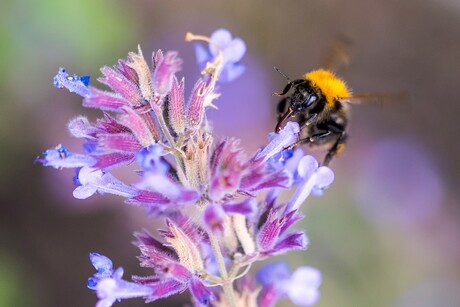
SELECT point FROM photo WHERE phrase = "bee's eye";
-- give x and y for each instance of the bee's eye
(310, 99)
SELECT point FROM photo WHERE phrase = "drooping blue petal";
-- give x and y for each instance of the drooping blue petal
(74, 84)
(314, 178)
(95, 180)
(104, 268)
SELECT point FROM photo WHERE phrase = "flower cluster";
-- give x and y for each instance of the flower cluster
(220, 207)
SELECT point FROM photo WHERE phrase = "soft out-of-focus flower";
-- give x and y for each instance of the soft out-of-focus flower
(300, 286)
(233, 50)
(401, 179)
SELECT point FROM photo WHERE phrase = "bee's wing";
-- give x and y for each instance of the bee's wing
(377, 98)
(338, 56)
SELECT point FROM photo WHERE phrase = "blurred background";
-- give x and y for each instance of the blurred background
(386, 233)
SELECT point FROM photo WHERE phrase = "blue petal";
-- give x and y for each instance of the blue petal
(273, 273)
(231, 71)
(202, 56)
(220, 37)
(150, 159)
(234, 51)
(74, 84)
(61, 157)
(279, 141)
(101, 263)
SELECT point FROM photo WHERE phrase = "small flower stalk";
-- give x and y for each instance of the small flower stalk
(219, 205)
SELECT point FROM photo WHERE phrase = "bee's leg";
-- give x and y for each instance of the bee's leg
(311, 139)
(336, 149)
(288, 86)
(307, 121)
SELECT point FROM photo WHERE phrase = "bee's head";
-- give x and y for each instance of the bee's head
(303, 98)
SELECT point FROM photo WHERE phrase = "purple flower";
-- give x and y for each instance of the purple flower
(165, 68)
(301, 286)
(279, 141)
(156, 178)
(233, 50)
(314, 180)
(94, 180)
(207, 191)
(273, 237)
(74, 84)
(177, 264)
(61, 157)
(108, 283)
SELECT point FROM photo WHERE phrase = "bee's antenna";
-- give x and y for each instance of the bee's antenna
(281, 73)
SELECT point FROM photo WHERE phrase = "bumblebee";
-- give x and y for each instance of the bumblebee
(319, 103)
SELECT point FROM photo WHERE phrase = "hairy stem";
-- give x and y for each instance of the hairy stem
(227, 284)
(172, 144)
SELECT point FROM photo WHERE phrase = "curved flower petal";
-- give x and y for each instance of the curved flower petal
(279, 141)
(93, 180)
(314, 179)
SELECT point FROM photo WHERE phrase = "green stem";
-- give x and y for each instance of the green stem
(179, 161)
(227, 284)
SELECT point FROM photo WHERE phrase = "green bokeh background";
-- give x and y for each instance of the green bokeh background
(367, 259)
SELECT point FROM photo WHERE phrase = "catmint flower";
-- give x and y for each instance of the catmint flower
(121, 85)
(300, 286)
(61, 157)
(207, 191)
(233, 50)
(74, 84)
(314, 179)
(279, 141)
(156, 177)
(93, 180)
(273, 237)
(177, 106)
(165, 68)
(109, 285)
